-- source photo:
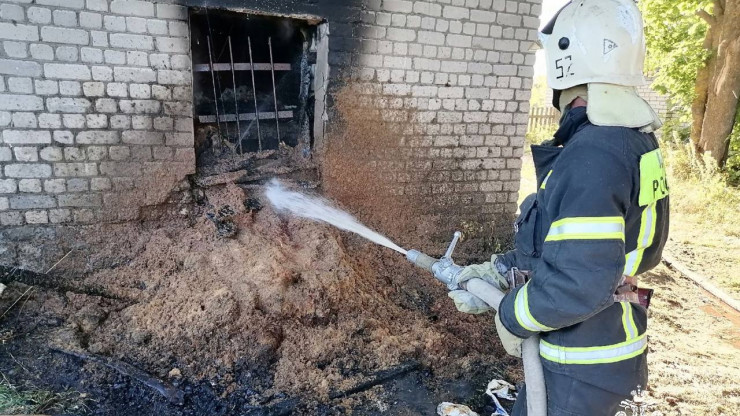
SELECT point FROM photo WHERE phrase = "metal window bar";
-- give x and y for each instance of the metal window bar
(236, 101)
(219, 118)
(239, 66)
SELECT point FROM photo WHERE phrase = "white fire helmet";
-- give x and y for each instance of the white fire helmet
(595, 41)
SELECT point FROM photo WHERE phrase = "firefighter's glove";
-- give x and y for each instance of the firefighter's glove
(488, 271)
(512, 343)
(467, 302)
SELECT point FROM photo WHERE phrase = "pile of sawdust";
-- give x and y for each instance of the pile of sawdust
(315, 309)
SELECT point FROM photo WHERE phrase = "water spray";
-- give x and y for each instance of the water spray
(444, 269)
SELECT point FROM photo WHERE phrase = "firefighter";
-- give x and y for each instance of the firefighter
(598, 220)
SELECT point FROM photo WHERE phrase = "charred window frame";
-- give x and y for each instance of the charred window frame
(259, 83)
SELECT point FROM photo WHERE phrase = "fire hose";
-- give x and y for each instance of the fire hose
(445, 270)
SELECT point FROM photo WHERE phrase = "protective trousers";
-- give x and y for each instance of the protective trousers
(567, 396)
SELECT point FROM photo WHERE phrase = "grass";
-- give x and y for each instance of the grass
(36, 401)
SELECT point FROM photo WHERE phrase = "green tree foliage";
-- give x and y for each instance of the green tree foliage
(675, 37)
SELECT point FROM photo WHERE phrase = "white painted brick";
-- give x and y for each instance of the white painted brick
(413, 21)
(66, 137)
(20, 85)
(401, 35)
(26, 154)
(40, 15)
(119, 122)
(137, 58)
(68, 105)
(170, 11)
(178, 29)
(29, 185)
(142, 137)
(454, 66)
(74, 170)
(172, 45)
(141, 122)
(74, 154)
(60, 216)
(157, 27)
(116, 89)
(26, 137)
(452, 12)
(174, 77)
(66, 18)
(21, 68)
(91, 55)
(12, 12)
(91, 20)
(12, 102)
(113, 57)
(136, 24)
(138, 75)
(180, 62)
(25, 120)
(431, 38)
(120, 152)
(8, 186)
(27, 170)
(106, 105)
(97, 137)
(100, 184)
(383, 19)
(50, 121)
(5, 119)
(37, 217)
(15, 49)
(67, 53)
(129, 41)
(428, 23)
(141, 91)
(64, 35)
(163, 123)
(160, 61)
(70, 88)
(98, 5)
(77, 185)
(114, 23)
(42, 52)
(428, 8)
(99, 39)
(162, 93)
(132, 8)
(179, 139)
(67, 71)
(72, 4)
(4, 203)
(102, 73)
(93, 89)
(401, 6)
(461, 41)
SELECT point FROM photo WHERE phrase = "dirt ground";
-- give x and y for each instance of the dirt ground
(286, 313)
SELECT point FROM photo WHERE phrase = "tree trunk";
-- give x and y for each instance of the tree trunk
(714, 121)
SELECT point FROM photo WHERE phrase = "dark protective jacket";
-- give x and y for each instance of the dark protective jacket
(600, 213)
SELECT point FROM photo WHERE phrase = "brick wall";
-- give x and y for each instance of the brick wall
(95, 102)
(658, 101)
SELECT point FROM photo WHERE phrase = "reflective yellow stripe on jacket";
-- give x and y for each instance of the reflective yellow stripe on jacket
(524, 316)
(594, 355)
(587, 228)
(644, 240)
